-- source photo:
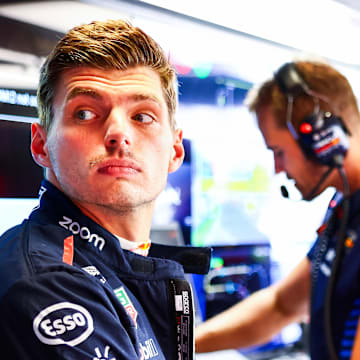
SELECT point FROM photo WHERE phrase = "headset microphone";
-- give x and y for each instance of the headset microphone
(284, 191)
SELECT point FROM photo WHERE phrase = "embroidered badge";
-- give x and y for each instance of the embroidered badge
(126, 303)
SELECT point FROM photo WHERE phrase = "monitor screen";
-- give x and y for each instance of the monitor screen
(20, 176)
(236, 272)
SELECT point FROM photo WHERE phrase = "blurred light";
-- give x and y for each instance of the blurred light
(217, 262)
(202, 71)
(327, 24)
(183, 69)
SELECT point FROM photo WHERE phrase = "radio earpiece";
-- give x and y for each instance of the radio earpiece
(321, 135)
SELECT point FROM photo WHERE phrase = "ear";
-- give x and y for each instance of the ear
(178, 151)
(39, 148)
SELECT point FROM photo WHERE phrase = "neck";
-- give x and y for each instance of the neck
(131, 224)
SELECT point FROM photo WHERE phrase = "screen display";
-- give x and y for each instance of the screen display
(236, 272)
(20, 176)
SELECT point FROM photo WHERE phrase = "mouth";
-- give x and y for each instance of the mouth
(118, 167)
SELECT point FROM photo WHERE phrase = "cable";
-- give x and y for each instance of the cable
(315, 189)
(336, 265)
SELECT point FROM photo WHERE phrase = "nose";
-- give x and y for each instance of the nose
(117, 133)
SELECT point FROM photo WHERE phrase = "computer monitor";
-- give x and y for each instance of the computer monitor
(236, 272)
(20, 177)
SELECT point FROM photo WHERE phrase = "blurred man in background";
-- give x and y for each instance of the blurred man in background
(309, 118)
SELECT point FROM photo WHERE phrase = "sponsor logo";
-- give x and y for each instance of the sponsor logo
(63, 323)
(148, 350)
(68, 251)
(186, 304)
(83, 232)
(104, 356)
(126, 303)
(93, 271)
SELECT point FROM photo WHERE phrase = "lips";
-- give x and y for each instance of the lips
(118, 167)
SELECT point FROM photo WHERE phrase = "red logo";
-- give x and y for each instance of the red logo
(68, 254)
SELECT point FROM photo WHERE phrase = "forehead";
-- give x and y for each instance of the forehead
(138, 80)
(273, 135)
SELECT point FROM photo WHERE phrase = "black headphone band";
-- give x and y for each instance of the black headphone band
(290, 81)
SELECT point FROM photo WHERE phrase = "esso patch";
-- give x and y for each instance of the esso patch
(63, 323)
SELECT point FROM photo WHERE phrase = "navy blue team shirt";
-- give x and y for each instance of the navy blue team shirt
(346, 297)
(69, 291)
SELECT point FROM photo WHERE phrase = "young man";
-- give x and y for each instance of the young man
(76, 281)
(309, 118)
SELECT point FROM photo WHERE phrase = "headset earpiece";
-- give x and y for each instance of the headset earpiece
(321, 135)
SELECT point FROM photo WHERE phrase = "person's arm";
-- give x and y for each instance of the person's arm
(260, 316)
(63, 315)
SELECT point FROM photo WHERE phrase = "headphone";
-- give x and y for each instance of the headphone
(321, 135)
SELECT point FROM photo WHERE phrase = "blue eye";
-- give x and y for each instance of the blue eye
(143, 118)
(85, 114)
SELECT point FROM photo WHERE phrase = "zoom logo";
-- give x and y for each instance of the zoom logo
(83, 232)
(63, 323)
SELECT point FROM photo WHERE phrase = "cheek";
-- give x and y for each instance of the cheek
(65, 149)
(166, 154)
(160, 161)
(158, 149)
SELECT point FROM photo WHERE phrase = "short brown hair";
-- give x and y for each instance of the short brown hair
(113, 44)
(321, 79)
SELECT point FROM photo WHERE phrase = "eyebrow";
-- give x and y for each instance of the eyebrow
(83, 91)
(145, 97)
(79, 91)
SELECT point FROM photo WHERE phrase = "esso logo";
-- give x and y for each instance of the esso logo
(63, 323)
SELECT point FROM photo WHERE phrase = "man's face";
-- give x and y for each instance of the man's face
(288, 156)
(111, 143)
